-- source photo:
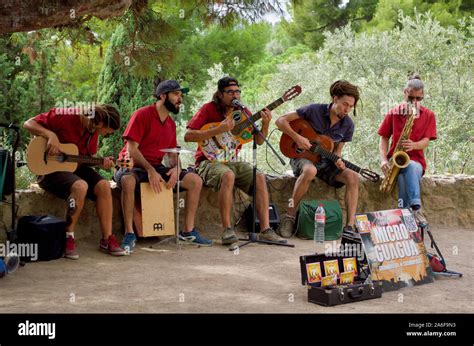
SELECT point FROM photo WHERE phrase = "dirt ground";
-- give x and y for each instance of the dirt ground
(259, 279)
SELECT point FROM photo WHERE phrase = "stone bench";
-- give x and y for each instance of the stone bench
(447, 200)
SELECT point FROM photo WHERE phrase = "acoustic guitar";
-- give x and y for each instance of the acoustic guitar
(223, 146)
(40, 162)
(321, 146)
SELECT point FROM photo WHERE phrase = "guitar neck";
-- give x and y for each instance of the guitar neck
(333, 157)
(93, 161)
(246, 123)
(270, 107)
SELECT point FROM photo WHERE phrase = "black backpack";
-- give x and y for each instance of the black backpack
(41, 238)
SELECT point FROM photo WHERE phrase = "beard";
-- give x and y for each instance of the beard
(171, 107)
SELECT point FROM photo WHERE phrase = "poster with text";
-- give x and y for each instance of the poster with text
(394, 248)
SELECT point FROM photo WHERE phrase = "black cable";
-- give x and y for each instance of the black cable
(279, 174)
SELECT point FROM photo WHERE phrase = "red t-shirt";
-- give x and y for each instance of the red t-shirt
(208, 113)
(423, 127)
(146, 128)
(66, 124)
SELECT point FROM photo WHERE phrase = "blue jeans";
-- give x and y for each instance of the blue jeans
(409, 180)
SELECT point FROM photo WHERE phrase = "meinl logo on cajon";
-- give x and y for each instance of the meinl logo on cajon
(158, 227)
(157, 212)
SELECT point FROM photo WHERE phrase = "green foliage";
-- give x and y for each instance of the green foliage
(236, 48)
(26, 62)
(118, 86)
(118, 61)
(312, 17)
(445, 12)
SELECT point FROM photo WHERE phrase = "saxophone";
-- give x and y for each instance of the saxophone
(400, 158)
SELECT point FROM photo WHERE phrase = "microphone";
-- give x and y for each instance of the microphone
(237, 103)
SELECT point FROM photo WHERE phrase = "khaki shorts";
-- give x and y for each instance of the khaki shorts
(211, 173)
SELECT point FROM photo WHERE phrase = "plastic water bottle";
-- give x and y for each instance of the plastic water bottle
(319, 223)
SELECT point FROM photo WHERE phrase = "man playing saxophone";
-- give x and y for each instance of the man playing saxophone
(415, 138)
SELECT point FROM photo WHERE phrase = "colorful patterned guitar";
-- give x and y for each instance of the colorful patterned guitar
(223, 146)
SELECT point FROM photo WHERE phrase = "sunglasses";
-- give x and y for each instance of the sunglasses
(231, 92)
(413, 98)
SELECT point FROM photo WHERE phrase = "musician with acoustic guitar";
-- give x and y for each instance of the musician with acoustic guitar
(330, 120)
(215, 170)
(82, 129)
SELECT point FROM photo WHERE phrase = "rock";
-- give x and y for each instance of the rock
(447, 201)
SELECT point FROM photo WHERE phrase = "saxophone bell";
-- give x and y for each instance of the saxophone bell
(401, 159)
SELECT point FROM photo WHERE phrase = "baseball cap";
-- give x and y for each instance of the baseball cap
(225, 82)
(169, 85)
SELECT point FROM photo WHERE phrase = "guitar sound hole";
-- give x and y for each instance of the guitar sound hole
(236, 116)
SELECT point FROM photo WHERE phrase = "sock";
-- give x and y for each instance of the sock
(69, 234)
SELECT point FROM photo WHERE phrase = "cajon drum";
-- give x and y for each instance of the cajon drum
(157, 211)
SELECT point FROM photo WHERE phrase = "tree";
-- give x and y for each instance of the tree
(29, 15)
(445, 12)
(236, 48)
(312, 17)
(144, 49)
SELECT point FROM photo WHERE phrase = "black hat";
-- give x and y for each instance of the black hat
(225, 82)
(169, 85)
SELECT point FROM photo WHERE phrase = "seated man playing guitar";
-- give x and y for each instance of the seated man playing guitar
(222, 176)
(150, 130)
(330, 120)
(71, 126)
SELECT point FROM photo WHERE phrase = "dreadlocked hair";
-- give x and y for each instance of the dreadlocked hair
(342, 88)
(107, 114)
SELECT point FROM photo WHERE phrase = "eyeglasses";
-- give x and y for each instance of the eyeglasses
(232, 92)
(413, 98)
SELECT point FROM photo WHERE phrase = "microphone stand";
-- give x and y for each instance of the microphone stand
(252, 237)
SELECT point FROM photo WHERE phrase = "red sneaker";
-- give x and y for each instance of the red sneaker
(112, 247)
(70, 250)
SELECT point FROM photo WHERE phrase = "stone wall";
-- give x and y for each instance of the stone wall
(447, 200)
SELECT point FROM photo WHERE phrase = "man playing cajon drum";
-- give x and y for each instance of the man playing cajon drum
(150, 130)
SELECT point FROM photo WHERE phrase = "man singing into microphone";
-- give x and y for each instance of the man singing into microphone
(223, 176)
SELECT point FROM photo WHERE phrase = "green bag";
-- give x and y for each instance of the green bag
(305, 217)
